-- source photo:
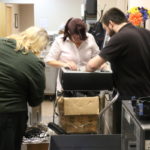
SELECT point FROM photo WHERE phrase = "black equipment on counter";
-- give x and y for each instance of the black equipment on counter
(141, 108)
(81, 81)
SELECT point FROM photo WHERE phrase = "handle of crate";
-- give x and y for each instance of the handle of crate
(110, 104)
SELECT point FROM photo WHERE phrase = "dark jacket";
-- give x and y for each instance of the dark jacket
(22, 78)
(129, 54)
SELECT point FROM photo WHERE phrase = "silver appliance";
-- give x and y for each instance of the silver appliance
(50, 73)
(135, 132)
(51, 78)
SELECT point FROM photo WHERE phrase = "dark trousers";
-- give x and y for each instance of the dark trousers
(117, 112)
(12, 128)
(117, 107)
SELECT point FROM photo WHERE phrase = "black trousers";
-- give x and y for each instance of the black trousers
(117, 114)
(12, 128)
(117, 111)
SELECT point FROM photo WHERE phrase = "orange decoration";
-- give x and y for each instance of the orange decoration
(136, 18)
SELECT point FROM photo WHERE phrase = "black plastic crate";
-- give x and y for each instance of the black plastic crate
(85, 142)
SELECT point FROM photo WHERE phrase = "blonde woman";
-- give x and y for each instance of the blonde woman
(22, 80)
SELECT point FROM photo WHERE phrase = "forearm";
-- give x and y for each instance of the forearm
(94, 63)
(56, 63)
(70, 64)
(36, 87)
(89, 68)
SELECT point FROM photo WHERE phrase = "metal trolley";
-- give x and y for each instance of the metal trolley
(86, 81)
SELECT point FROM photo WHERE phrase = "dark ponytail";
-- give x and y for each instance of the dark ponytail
(75, 26)
(66, 30)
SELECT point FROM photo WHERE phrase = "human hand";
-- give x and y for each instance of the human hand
(105, 67)
(71, 65)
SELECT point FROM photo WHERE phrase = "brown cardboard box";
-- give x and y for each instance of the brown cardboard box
(43, 146)
(79, 114)
(81, 106)
(40, 146)
(80, 123)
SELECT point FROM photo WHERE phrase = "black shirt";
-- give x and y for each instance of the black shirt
(128, 51)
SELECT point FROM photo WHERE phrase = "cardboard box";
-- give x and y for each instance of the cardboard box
(80, 123)
(79, 114)
(40, 146)
(81, 106)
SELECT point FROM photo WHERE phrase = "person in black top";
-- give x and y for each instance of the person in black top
(128, 51)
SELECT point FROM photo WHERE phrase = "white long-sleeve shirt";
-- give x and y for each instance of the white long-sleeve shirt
(67, 51)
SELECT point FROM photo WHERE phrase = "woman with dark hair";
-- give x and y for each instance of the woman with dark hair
(75, 26)
(74, 49)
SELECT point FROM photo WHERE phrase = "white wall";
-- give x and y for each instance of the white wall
(18, 1)
(52, 13)
(107, 4)
(134, 3)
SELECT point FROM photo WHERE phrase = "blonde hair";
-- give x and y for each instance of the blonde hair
(32, 39)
